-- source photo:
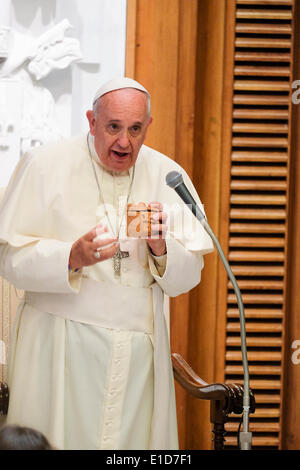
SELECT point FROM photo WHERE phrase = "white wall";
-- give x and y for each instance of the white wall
(100, 27)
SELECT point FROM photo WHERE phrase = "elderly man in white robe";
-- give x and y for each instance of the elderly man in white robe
(89, 362)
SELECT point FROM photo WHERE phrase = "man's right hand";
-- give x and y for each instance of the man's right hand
(84, 249)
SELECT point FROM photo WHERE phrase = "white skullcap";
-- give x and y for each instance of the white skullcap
(117, 84)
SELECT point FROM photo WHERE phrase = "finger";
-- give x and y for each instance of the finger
(100, 228)
(93, 232)
(155, 206)
(95, 245)
(159, 216)
(164, 230)
(107, 253)
(158, 229)
(89, 235)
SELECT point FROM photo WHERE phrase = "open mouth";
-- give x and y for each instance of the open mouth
(120, 154)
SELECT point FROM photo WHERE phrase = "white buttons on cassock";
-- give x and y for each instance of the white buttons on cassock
(115, 390)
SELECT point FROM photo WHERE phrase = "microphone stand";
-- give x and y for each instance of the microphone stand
(245, 435)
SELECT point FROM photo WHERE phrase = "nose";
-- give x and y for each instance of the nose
(123, 140)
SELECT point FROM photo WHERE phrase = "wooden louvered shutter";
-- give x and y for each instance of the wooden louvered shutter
(257, 231)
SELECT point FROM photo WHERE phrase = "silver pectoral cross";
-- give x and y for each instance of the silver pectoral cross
(117, 260)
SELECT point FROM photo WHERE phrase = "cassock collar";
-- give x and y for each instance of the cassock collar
(98, 161)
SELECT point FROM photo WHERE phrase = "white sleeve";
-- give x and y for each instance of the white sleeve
(183, 269)
(39, 267)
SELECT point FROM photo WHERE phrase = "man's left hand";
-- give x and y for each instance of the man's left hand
(156, 241)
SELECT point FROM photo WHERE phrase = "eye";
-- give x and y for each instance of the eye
(113, 127)
(135, 130)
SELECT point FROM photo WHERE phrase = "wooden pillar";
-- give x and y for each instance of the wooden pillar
(176, 49)
(205, 329)
(161, 54)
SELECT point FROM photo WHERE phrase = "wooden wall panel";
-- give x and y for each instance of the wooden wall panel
(187, 110)
(204, 325)
(156, 63)
(164, 40)
(219, 72)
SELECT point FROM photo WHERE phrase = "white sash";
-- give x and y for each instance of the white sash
(100, 304)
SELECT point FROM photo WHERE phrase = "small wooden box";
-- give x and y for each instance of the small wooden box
(139, 220)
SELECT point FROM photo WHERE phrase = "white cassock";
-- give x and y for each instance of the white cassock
(89, 361)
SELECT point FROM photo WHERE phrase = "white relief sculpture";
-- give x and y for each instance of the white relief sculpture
(54, 51)
(10, 127)
(4, 33)
(29, 60)
(6, 128)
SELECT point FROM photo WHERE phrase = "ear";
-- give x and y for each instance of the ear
(148, 124)
(92, 121)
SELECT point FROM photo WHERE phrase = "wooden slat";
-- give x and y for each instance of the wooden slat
(264, 14)
(271, 142)
(248, 70)
(254, 156)
(262, 299)
(255, 427)
(261, 85)
(260, 114)
(273, 256)
(257, 199)
(259, 285)
(271, 214)
(255, 327)
(257, 356)
(267, 413)
(266, 43)
(260, 128)
(264, 100)
(264, 2)
(256, 313)
(274, 242)
(266, 384)
(262, 56)
(247, 270)
(263, 28)
(252, 342)
(257, 441)
(267, 185)
(256, 228)
(262, 398)
(253, 370)
(266, 171)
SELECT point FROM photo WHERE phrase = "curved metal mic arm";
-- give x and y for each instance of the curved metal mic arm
(245, 435)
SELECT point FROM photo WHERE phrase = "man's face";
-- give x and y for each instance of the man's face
(119, 127)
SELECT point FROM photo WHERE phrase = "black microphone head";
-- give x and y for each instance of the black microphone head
(173, 179)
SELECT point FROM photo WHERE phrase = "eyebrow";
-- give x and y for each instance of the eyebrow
(119, 120)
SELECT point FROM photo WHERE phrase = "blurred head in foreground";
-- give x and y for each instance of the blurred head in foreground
(22, 438)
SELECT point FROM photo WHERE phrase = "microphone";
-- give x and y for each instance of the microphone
(175, 181)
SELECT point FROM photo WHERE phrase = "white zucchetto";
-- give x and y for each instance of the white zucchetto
(117, 84)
